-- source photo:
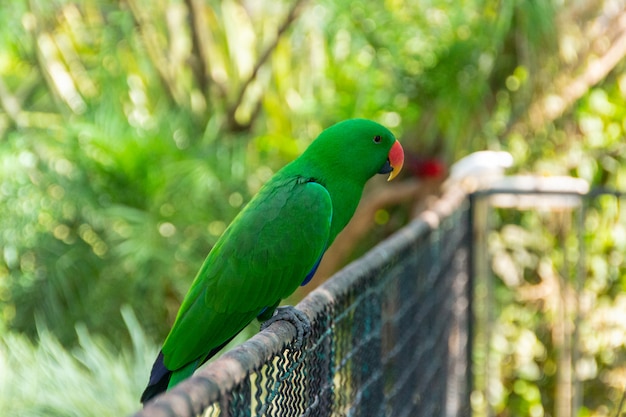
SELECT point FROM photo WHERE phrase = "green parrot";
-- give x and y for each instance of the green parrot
(274, 245)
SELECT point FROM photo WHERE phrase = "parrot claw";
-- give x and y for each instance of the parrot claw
(294, 316)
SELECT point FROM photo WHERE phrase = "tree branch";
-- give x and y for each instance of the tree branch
(161, 65)
(232, 122)
(551, 106)
(200, 61)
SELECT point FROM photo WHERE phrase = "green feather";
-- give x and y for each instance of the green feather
(268, 249)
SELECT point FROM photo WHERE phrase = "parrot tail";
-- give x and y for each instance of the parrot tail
(159, 379)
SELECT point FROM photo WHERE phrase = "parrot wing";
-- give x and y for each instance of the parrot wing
(263, 256)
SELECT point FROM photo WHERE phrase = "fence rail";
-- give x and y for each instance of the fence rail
(389, 338)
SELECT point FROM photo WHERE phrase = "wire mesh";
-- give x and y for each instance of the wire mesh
(389, 338)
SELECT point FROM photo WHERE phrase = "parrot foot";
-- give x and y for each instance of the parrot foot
(294, 316)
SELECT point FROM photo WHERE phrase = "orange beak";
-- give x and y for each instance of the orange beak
(396, 159)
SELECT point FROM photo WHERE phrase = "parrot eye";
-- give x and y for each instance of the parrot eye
(377, 139)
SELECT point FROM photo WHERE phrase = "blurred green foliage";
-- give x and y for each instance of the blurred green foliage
(132, 132)
(556, 337)
(94, 378)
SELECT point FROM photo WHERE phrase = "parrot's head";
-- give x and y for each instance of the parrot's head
(358, 148)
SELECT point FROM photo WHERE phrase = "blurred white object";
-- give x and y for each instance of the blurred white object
(482, 163)
(479, 169)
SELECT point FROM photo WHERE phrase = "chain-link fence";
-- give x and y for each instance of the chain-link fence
(389, 338)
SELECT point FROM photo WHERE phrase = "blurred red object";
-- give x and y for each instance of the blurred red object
(422, 167)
